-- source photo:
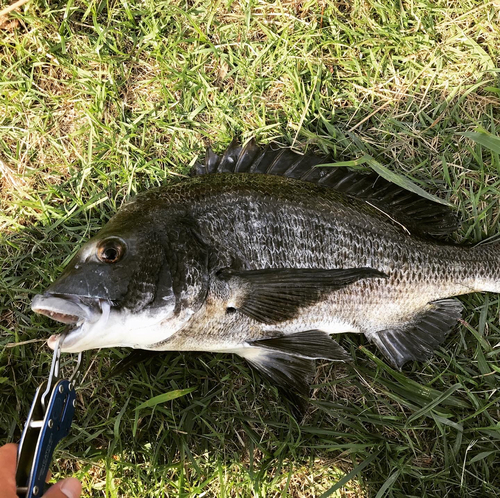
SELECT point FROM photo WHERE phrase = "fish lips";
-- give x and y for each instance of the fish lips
(66, 308)
(69, 309)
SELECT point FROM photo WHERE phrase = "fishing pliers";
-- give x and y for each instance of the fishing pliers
(49, 420)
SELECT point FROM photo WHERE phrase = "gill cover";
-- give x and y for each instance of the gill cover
(135, 263)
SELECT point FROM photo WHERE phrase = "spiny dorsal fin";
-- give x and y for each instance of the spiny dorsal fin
(287, 361)
(420, 216)
(275, 295)
(418, 339)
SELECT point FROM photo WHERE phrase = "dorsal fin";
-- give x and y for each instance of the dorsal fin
(420, 216)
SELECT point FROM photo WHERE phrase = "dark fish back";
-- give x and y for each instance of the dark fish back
(418, 215)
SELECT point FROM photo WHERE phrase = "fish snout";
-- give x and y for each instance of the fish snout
(66, 308)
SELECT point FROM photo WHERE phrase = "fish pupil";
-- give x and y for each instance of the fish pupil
(110, 254)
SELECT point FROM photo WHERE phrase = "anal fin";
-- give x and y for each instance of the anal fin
(418, 339)
(288, 361)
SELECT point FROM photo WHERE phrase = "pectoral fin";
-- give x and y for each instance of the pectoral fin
(418, 339)
(275, 295)
(288, 361)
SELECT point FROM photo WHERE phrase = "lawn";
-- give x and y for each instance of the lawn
(103, 99)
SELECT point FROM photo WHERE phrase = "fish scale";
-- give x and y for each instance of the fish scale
(408, 288)
(361, 242)
(268, 263)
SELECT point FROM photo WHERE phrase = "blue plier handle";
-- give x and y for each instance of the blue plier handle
(49, 420)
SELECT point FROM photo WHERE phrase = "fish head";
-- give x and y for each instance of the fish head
(117, 290)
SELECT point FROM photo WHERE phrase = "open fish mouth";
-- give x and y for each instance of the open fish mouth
(73, 310)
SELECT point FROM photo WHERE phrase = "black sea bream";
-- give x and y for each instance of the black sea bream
(264, 255)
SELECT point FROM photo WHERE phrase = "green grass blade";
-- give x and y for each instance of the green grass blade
(482, 137)
(401, 180)
(354, 472)
(163, 398)
(388, 484)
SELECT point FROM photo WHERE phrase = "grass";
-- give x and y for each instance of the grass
(102, 99)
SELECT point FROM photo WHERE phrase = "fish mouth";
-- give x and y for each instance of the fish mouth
(75, 311)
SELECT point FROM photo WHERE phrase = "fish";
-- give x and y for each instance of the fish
(264, 253)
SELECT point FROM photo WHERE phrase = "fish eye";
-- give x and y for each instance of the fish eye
(111, 250)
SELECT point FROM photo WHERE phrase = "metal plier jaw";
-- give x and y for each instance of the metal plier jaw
(49, 420)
